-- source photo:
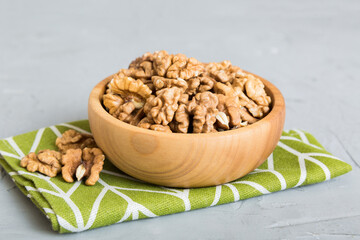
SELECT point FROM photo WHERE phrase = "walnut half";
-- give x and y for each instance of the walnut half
(72, 139)
(76, 156)
(162, 107)
(46, 162)
(204, 111)
(82, 163)
(172, 92)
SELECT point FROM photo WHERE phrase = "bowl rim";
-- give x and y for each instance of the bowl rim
(94, 102)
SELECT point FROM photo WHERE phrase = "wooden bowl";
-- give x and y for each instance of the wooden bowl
(186, 160)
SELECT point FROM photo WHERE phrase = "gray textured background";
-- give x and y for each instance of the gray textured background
(52, 53)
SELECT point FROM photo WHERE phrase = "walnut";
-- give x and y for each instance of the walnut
(112, 102)
(246, 117)
(237, 114)
(124, 73)
(129, 89)
(150, 64)
(240, 79)
(142, 66)
(126, 112)
(184, 68)
(164, 65)
(145, 57)
(230, 106)
(182, 122)
(161, 82)
(255, 94)
(255, 110)
(223, 71)
(203, 109)
(82, 163)
(75, 158)
(72, 139)
(224, 89)
(161, 62)
(255, 90)
(46, 162)
(161, 108)
(125, 96)
(163, 92)
(200, 84)
(92, 164)
(239, 83)
(70, 161)
(228, 90)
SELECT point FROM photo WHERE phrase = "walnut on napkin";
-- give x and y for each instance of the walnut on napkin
(72, 139)
(46, 161)
(87, 162)
(78, 155)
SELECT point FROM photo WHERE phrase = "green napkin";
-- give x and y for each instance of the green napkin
(298, 160)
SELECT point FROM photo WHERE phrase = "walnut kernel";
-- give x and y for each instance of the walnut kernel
(72, 139)
(82, 163)
(46, 162)
(166, 92)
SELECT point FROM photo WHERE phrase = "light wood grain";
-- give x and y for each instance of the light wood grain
(186, 160)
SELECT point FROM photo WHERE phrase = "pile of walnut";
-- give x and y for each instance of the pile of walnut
(173, 93)
(78, 155)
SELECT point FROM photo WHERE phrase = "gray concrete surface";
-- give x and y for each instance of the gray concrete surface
(53, 52)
